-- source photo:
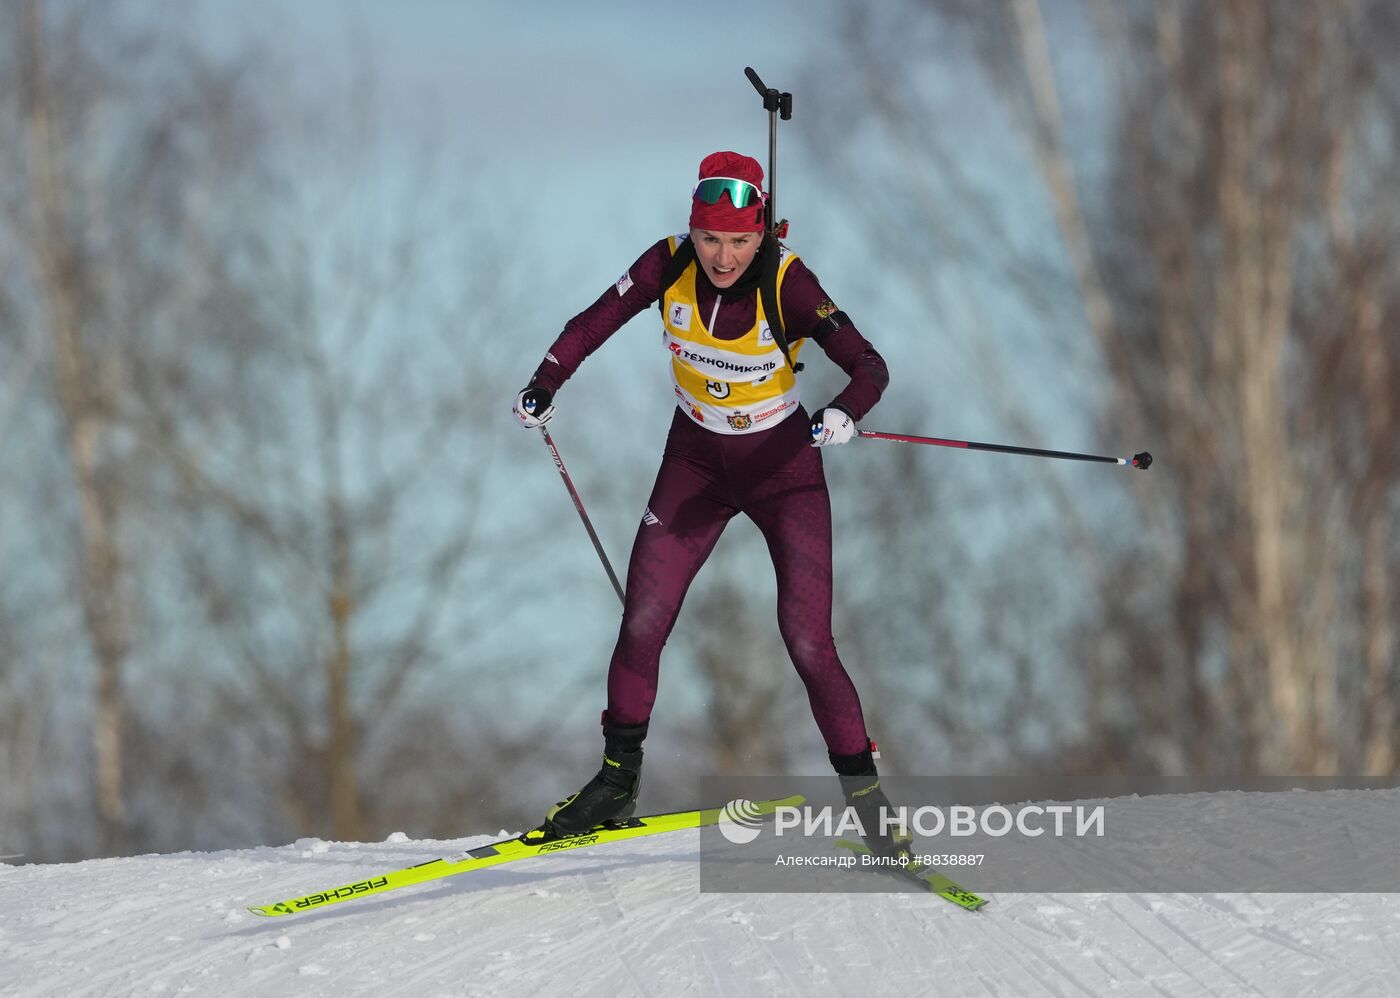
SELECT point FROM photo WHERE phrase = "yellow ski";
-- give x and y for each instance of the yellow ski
(928, 877)
(537, 842)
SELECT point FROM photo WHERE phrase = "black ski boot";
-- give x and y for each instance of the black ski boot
(612, 794)
(861, 785)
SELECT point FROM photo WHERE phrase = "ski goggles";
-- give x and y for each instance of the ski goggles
(741, 192)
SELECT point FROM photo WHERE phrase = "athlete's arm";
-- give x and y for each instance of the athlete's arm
(808, 312)
(635, 290)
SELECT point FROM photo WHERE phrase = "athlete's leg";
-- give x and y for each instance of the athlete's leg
(790, 505)
(684, 518)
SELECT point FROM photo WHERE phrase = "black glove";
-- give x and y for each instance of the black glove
(534, 406)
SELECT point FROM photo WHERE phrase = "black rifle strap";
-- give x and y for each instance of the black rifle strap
(768, 288)
(683, 257)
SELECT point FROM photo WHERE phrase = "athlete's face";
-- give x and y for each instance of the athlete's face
(725, 255)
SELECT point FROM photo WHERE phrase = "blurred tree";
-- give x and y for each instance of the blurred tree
(346, 492)
(1216, 174)
(247, 367)
(113, 153)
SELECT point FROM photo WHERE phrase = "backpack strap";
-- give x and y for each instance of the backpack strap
(683, 257)
(768, 289)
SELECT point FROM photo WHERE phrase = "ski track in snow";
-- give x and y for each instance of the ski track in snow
(628, 919)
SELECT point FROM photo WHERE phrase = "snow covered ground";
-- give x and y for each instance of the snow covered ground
(627, 918)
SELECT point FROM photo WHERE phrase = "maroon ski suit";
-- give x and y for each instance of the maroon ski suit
(773, 475)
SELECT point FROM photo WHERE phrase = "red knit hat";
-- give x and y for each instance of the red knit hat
(722, 216)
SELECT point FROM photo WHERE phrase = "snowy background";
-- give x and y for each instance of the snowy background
(627, 919)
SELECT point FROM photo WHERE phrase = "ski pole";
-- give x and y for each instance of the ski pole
(578, 505)
(1139, 461)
